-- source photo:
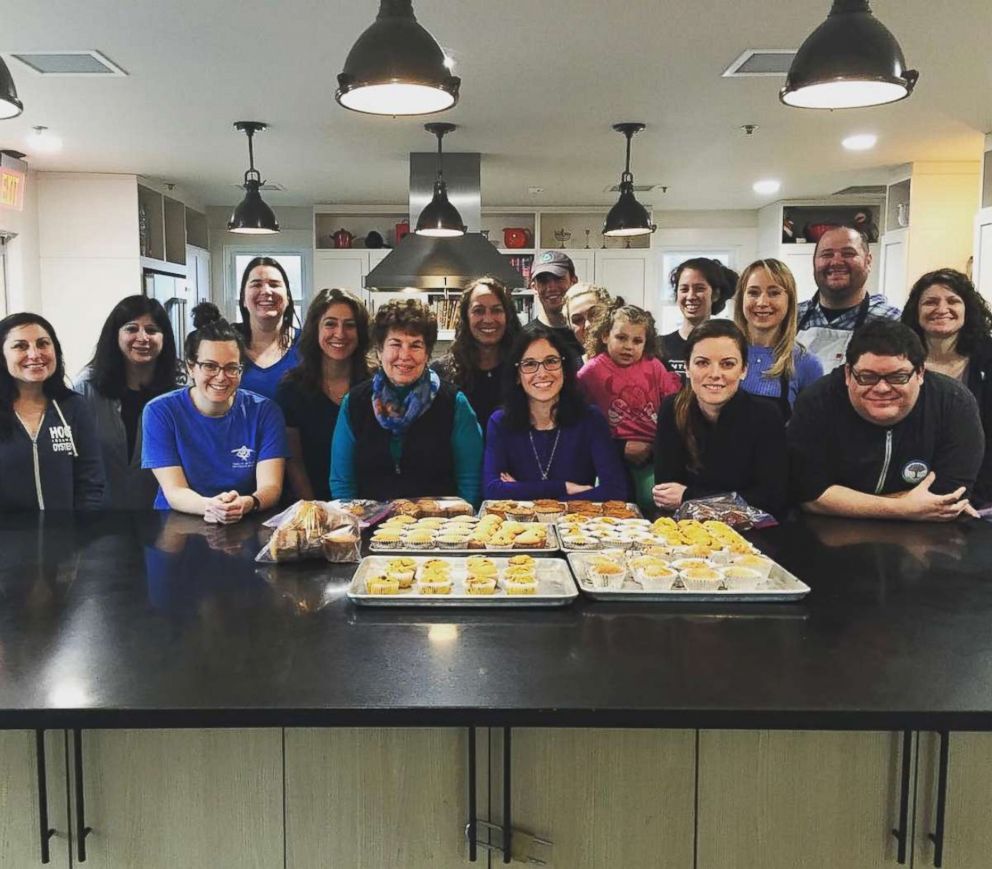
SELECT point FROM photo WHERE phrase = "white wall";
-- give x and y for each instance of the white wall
(23, 276)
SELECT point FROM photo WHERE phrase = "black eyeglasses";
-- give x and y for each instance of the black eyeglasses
(550, 363)
(871, 378)
(212, 369)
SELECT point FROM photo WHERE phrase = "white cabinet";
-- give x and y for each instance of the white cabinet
(345, 269)
(628, 273)
(982, 268)
(892, 269)
(584, 262)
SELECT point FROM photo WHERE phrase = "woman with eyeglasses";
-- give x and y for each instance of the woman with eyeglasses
(134, 362)
(49, 453)
(217, 451)
(266, 326)
(406, 432)
(546, 441)
(334, 349)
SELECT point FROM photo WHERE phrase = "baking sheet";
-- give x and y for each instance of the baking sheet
(553, 548)
(780, 586)
(555, 586)
(630, 506)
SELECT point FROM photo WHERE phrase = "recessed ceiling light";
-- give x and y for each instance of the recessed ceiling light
(860, 142)
(41, 140)
(766, 187)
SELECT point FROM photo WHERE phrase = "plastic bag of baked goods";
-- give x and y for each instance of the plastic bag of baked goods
(727, 507)
(312, 529)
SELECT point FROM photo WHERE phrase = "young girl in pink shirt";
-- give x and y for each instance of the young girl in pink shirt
(626, 380)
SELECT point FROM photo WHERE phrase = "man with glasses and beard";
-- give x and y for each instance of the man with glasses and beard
(881, 438)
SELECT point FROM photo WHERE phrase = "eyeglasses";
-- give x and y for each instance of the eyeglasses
(212, 369)
(550, 363)
(871, 378)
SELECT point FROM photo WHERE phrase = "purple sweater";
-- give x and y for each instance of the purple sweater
(585, 453)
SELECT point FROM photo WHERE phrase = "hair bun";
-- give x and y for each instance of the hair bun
(204, 314)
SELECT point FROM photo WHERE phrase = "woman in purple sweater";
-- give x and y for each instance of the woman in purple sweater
(546, 442)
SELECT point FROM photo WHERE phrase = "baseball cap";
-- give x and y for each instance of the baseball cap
(552, 262)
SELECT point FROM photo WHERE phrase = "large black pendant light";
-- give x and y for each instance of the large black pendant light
(252, 216)
(440, 218)
(397, 68)
(850, 60)
(628, 217)
(10, 105)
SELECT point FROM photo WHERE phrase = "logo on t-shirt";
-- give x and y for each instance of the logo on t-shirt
(915, 471)
(61, 438)
(243, 454)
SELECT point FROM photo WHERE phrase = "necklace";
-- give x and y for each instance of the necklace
(544, 470)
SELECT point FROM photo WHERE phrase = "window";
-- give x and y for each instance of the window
(295, 262)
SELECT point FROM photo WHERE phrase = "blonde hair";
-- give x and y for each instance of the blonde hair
(599, 332)
(584, 288)
(785, 343)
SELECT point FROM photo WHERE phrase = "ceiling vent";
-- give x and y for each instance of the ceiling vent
(639, 188)
(862, 190)
(68, 63)
(268, 185)
(761, 62)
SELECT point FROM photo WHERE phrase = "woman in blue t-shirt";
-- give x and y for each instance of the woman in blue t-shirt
(266, 326)
(216, 450)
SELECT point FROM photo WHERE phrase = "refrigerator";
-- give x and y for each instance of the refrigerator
(174, 294)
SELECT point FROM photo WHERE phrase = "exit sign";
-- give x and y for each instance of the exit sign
(13, 177)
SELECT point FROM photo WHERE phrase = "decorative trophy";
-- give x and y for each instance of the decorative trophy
(561, 236)
(588, 231)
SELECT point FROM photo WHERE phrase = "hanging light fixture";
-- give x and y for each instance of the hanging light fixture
(850, 60)
(397, 68)
(440, 218)
(252, 216)
(10, 105)
(628, 216)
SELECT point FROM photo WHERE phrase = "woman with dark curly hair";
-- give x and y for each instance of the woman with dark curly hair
(487, 325)
(49, 453)
(334, 349)
(406, 432)
(954, 323)
(266, 306)
(134, 361)
(702, 287)
(546, 441)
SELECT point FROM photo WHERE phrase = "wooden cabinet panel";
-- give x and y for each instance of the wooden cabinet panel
(362, 798)
(199, 799)
(605, 798)
(968, 813)
(20, 844)
(788, 799)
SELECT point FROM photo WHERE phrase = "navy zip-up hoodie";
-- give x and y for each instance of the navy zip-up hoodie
(59, 479)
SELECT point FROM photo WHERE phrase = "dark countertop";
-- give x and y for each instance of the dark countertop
(152, 620)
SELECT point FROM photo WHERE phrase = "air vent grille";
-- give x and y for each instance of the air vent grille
(862, 190)
(268, 185)
(761, 62)
(68, 63)
(638, 188)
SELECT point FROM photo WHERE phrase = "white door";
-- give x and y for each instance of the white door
(982, 271)
(892, 271)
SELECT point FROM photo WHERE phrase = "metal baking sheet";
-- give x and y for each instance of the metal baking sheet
(780, 586)
(553, 548)
(629, 505)
(555, 587)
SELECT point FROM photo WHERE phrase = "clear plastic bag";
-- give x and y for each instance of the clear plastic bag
(312, 529)
(727, 507)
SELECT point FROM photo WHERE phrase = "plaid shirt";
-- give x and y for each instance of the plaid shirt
(878, 309)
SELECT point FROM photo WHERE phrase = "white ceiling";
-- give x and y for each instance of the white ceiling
(541, 84)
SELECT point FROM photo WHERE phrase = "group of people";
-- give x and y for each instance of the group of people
(839, 405)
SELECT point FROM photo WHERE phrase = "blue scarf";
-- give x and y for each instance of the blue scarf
(398, 407)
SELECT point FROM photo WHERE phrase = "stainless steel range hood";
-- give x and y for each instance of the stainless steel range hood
(423, 263)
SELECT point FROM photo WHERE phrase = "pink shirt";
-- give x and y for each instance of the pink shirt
(630, 397)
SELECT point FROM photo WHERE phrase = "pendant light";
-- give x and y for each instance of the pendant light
(10, 105)
(397, 68)
(628, 216)
(252, 216)
(440, 218)
(850, 60)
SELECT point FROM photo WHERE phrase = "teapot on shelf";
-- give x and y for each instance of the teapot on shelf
(342, 238)
(515, 236)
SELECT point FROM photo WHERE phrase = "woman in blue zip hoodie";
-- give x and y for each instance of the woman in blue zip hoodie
(49, 453)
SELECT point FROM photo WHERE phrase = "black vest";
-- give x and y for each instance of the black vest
(426, 467)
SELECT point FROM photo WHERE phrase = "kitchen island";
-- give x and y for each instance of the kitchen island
(167, 666)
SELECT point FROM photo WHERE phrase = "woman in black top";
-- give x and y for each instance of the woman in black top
(487, 325)
(714, 437)
(334, 349)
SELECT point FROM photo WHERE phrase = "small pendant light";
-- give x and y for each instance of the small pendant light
(440, 218)
(851, 60)
(397, 68)
(628, 216)
(252, 216)
(10, 105)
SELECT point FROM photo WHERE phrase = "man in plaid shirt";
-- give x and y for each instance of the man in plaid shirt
(841, 264)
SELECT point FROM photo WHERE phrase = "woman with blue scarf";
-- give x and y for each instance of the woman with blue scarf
(406, 433)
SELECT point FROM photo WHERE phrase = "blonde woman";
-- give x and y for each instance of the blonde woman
(584, 304)
(777, 366)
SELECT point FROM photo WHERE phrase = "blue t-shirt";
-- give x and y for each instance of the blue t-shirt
(216, 453)
(265, 380)
(759, 359)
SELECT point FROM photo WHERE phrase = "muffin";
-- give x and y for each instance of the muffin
(403, 575)
(381, 585)
(530, 540)
(480, 564)
(684, 564)
(546, 510)
(341, 545)
(384, 539)
(606, 573)
(448, 540)
(579, 541)
(481, 585)
(738, 576)
(419, 539)
(521, 588)
(434, 586)
(755, 562)
(703, 579)
(521, 560)
(655, 575)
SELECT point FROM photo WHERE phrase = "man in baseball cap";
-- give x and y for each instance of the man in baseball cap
(551, 275)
